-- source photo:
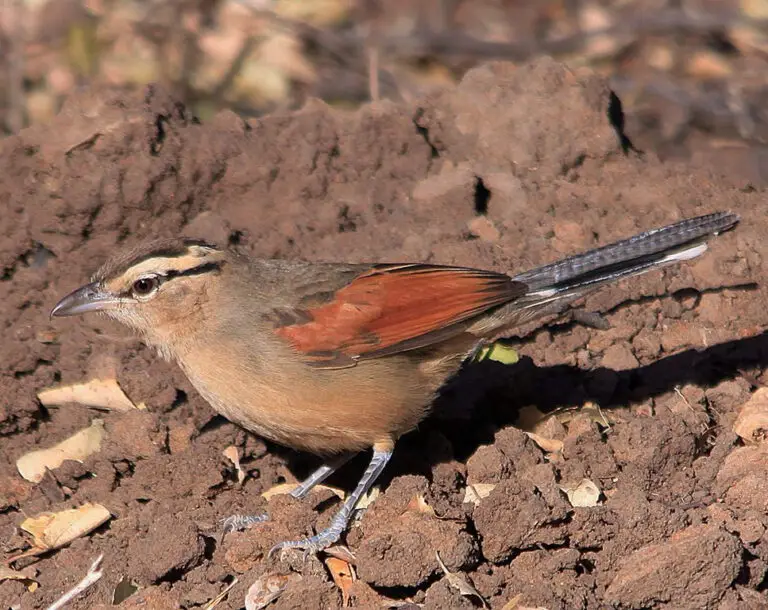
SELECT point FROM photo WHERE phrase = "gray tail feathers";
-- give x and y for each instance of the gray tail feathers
(578, 274)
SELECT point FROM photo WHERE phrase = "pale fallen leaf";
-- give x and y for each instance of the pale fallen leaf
(550, 427)
(595, 413)
(419, 505)
(529, 417)
(343, 575)
(99, 393)
(233, 456)
(342, 552)
(585, 494)
(589, 411)
(752, 421)
(367, 499)
(54, 530)
(550, 445)
(123, 590)
(286, 488)
(460, 582)
(7, 573)
(220, 597)
(499, 353)
(32, 465)
(46, 336)
(317, 12)
(709, 65)
(267, 589)
(514, 604)
(477, 491)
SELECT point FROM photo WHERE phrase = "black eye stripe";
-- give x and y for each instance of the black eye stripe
(199, 270)
(172, 274)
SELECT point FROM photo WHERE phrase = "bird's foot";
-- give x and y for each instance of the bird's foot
(238, 523)
(313, 544)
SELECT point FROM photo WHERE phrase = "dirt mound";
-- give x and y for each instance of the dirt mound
(513, 168)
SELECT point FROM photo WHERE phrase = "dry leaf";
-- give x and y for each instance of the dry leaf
(98, 393)
(286, 488)
(586, 494)
(279, 490)
(550, 445)
(460, 582)
(343, 575)
(514, 604)
(342, 552)
(550, 427)
(499, 352)
(123, 590)
(8, 574)
(317, 12)
(46, 336)
(32, 465)
(752, 421)
(267, 589)
(595, 413)
(367, 499)
(476, 492)
(528, 417)
(419, 505)
(54, 530)
(708, 65)
(233, 456)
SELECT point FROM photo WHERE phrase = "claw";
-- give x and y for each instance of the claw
(332, 533)
(311, 546)
(238, 523)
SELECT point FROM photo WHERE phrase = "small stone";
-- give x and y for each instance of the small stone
(619, 358)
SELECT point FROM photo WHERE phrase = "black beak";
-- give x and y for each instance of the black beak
(90, 297)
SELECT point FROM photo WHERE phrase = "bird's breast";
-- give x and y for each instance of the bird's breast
(275, 395)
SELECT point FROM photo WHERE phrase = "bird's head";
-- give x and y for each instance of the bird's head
(160, 289)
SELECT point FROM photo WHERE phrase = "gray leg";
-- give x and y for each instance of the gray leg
(238, 523)
(320, 475)
(339, 523)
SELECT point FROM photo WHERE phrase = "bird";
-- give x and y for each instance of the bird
(337, 358)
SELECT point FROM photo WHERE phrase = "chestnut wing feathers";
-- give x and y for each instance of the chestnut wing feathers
(390, 309)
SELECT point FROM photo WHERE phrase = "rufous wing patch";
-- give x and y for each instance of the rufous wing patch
(393, 308)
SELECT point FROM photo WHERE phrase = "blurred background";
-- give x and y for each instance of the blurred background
(691, 73)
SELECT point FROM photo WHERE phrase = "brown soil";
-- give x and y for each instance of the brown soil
(514, 168)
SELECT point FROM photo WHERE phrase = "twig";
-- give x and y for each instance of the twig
(93, 575)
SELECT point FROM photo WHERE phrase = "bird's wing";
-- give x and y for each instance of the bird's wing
(391, 308)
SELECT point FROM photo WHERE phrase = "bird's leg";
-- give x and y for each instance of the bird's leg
(320, 475)
(325, 538)
(237, 523)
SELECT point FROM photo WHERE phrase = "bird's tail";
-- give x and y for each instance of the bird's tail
(573, 276)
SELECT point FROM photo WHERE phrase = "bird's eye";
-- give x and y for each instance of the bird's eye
(145, 286)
